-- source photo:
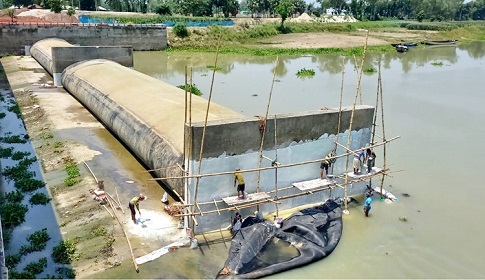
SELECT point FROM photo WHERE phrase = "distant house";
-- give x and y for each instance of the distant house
(333, 11)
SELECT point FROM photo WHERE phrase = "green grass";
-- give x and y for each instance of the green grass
(73, 174)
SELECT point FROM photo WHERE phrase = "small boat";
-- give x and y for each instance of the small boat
(443, 42)
(405, 44)
(401, 48)
(262, 248)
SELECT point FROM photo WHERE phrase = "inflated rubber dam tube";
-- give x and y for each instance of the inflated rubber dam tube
(145, 113)
(42, 51)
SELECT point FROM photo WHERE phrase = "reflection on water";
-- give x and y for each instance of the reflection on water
(437, 111)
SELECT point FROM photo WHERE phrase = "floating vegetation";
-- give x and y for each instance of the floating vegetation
(35, 268)
(17, 172)
(37, 242)
(437, 63)
(15, 196)
(13, 213)
(65, 252)
(2, 115)
(15, 109)
(6, 152)
(29, 184)
(370, 70)
(403, 219)
(39, 198)
(14, 139)
(305, 72)
(254, 94)
(12, 260)
(211, 67)
(192, 89)
(20, 155)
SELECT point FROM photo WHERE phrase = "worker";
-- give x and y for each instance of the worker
(238, 178)
(371, 159)
(101, 185)
(358, 161)
(368, 202)
(327, 161)
(135, 202)
(236, 223)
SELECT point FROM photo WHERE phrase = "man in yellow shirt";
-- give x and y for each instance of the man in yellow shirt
(238, 177)
(135, 202)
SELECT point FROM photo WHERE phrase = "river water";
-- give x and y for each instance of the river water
(433, 99)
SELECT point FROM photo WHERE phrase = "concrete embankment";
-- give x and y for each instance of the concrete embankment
(14, 38)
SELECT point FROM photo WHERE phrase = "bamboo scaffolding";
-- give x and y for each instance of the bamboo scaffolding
(340, 106)
(276, 169)
(382, 119)
(264, 127)
(272, 167)
(352, 118)
(206, 119)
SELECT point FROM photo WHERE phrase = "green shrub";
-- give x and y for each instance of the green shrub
(65, 252)
(192, 89)
(72, 170)
(163, 9)
(47, 135)
(180, 30)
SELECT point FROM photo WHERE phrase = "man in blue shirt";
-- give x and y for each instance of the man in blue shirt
(368, 202)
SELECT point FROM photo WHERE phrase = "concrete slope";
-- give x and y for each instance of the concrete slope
(145, 113)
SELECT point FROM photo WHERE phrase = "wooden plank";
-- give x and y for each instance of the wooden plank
(251, 197)
(314, 184)
(217, 208)
(374, 171)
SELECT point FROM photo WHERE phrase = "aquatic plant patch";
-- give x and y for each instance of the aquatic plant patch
(2, 115)
(437, 63)
(13, 214)
(35, 268)
(305, 72)
(6, 152)
(15, 196)
(29, 184)
(16, 110)
(37, 242)
(370, 70)
(20, 155)
(12, 260)
(211, 67)
(14, 139)
(39, 199)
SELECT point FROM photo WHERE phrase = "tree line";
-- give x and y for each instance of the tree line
(432, 10)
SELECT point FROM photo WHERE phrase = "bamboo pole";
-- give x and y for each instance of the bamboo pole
(205, 121)
(352, 119)
(272, 167)
(127, 239)
(107, 210)
(374, 122)
(187, 167)
(116, 203)
(264, 127)
(118, 198)
(276, 169)
(383, 129)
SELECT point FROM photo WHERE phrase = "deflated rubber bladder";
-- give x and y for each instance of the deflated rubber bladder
(261, 249)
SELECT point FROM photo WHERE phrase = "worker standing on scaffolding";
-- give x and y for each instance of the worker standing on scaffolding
(371, 159)
(327, 161)
(238, 178)
(358, 162)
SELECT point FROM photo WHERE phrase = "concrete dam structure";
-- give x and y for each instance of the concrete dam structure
(148, 115)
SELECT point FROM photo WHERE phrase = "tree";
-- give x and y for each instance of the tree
(11, 14)
(284, 9)
(70, 13)
(420, 16)
(87, 5)
(56, 6)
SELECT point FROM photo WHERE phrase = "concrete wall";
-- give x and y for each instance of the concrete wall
(3, 268)
(301, 137)
(145, 113)
(13, 38)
